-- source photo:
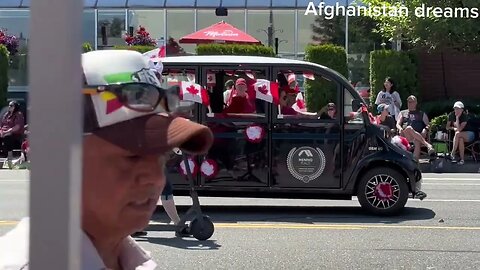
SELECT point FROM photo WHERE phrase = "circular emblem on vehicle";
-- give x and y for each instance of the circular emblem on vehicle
(306, 163)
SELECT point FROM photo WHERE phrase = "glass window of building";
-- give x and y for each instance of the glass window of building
(319, 30)
(113, 21)
(233, 3)
(180, 3)
(111, 3)
(257, 24)
(88, 26)
(146, 3)
(152, 20)
(10, 3)
(284, 24)
(16, 22)
(258, 3)
(179, 24)
(283, 3)
(208, 3)
(206, 18)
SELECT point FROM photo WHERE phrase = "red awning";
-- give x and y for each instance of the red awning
(220, 32)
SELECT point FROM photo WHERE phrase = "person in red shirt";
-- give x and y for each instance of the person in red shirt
(12, 128)
(239, 101)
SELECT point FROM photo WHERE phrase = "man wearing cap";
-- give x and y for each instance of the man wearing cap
(457, 121)
(384, 118)
(414, 124)
(125, 144)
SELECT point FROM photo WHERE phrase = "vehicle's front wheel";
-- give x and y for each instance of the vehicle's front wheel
(383, 191)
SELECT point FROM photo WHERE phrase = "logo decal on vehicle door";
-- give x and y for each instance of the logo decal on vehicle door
(306, 163)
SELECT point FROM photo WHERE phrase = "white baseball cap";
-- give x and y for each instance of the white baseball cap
(458, 104)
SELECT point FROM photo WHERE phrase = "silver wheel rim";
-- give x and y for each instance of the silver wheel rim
(382, 191)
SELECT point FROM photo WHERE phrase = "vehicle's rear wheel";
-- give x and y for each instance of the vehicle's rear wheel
(383, 191)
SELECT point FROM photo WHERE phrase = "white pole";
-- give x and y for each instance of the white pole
(56, 134)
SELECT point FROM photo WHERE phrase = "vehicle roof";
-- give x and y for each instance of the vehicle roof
(233, 59)
(241, 59)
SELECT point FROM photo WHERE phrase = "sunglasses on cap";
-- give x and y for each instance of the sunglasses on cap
(143, 97)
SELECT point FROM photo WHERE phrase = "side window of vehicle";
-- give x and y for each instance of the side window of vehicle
(351, 114)
(305, 94)
(233, 94)
(173, 78)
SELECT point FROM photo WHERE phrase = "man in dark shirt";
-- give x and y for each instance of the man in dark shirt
(384, 118)
(413, 124)
(457, 121)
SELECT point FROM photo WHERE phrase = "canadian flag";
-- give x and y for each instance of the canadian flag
(309, 75)
(155, 58)
(266, 90)
(211, 79)
(194, 92)
(299, 105)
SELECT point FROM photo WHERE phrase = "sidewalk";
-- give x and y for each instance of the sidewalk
(442, 165)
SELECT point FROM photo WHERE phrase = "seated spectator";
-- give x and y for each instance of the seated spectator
(229, 86)
(413, 125)
(384, 118)
(457, 121)
(239, 101)
(329, 112)
(287, 99)
(12, 128)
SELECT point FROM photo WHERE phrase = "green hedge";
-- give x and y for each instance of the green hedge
(401, 66)
(140, 49)
(319, 92)
(86, 47)
(234, 49)
(439, 107)
(4, 59)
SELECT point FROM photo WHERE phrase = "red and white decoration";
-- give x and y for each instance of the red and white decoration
(191, 77)
(155, 58)
(209, 168)
(194, 92)
(309, 75)
(250, 75)
(211, 79)
(255, 133)
(299, 105)
(401, 142)
(266, 90)
(172, 79)
(193, 167)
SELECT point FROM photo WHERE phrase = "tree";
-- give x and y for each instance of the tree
(447, 31)
(329, 31)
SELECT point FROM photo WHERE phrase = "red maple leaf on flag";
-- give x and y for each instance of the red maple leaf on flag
(192, 90)
(210, 78)
(263, 89)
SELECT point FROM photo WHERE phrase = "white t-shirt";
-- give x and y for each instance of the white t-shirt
(384, 97)
(14, 249)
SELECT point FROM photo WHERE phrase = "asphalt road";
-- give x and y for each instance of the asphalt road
(441, 232)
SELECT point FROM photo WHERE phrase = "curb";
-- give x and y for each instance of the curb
(445, 166)
(14, 174)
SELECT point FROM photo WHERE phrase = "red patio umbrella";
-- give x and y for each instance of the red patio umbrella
(220, 32)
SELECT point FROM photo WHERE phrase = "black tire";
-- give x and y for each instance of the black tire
(202, 228)
(383, 191)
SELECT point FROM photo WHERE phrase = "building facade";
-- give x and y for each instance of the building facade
(166, 19)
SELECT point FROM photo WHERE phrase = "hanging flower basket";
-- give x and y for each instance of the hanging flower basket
(140, 38)
(9, 41)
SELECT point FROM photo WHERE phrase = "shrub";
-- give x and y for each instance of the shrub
(9, 41)
(140, 49)
(333, 57)
(401, 66)
(438, 123)
(86, 47)
(4, 59)
(234, 49)
(439, 107)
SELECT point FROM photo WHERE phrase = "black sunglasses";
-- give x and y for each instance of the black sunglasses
(143, 97)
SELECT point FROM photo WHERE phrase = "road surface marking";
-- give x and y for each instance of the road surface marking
(449, 184)
(336, 226)
(312, 226)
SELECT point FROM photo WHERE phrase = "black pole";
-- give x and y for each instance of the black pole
(276, 46)
(104, 35)
(130, 30)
